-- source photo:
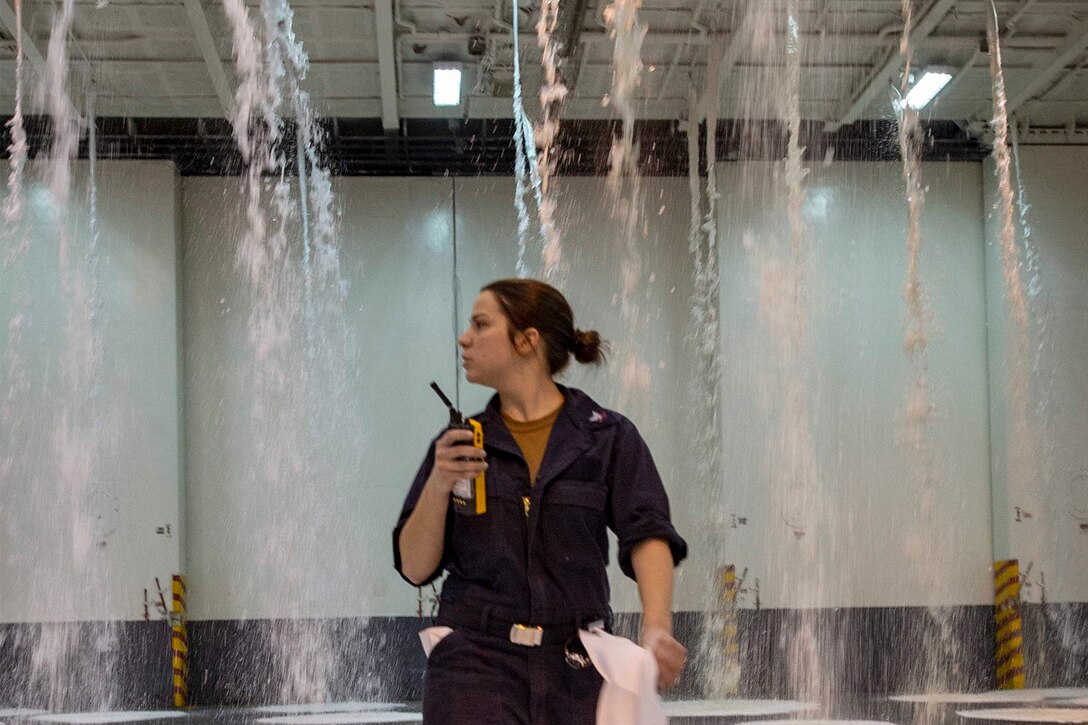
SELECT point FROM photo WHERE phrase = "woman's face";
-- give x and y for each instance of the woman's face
(487, 353)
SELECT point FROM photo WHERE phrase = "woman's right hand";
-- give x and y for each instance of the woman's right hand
(455, 443)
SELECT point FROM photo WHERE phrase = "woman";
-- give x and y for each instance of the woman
(526, 575)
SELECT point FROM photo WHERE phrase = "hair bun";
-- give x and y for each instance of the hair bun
(587, 347)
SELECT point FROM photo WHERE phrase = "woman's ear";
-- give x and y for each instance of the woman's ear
(526, 341)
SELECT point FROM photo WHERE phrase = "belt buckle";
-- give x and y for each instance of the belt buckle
(526, 635)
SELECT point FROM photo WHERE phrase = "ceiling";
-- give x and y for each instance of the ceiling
(372, 59)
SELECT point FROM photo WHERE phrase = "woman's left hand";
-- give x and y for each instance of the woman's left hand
(670, 655)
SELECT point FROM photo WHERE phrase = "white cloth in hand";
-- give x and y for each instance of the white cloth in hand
(629, 693)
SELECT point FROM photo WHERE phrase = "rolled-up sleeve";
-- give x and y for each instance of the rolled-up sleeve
(406, 511)
(638, 506)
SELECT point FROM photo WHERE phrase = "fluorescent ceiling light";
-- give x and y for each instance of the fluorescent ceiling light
(447, 85)
(925, 90)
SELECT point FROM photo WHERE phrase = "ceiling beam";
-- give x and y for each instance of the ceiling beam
(7, 20)
(204, 39)
(1075, 43)
(1068, 77)
(387, 63)
(37, 61)
(877, 83)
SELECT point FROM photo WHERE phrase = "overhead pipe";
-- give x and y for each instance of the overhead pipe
(867, 40)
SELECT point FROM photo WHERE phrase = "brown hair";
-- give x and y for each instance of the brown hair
(531, 303)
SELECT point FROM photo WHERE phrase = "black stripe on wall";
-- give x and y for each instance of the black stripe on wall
(863, 652)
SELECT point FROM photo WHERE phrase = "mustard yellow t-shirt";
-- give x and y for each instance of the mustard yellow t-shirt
(532, 437)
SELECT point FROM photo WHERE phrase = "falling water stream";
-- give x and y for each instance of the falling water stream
(625, 189)
(521, 266)
(552, 93)
(17, 150)
(802, 500)
(1026, 475)
(527, 169)
(780, 256)
(1060, 619)
(927, 540)
(718, 646)
(919, 403)
(73, 661)
(1020, 469)
(15, 247)
(297, 331)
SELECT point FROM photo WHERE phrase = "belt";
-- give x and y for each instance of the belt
(520, 633)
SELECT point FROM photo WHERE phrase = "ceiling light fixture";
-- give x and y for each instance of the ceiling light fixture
(447, 84)
(925, 89)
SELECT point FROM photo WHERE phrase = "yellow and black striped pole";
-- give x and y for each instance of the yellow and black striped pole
(730, 648)
(1010, 641)
(180, 644)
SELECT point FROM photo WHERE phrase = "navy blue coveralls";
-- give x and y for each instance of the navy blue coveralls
(544, 565)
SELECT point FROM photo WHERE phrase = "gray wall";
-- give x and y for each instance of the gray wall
(77, 545)
(396, 253)
(859, 522)
(317, 544)
(1050, 533)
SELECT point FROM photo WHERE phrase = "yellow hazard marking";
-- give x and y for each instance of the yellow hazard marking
(727, 598)
(179, 643)
(1008, 630)
(1008, 657)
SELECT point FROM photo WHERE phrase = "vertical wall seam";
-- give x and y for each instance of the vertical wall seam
(994, 523)
(182, 437)
(456, 296)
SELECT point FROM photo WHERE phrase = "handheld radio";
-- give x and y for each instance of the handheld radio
(469, 495)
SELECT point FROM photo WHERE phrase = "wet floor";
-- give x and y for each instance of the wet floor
(1062, 705)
